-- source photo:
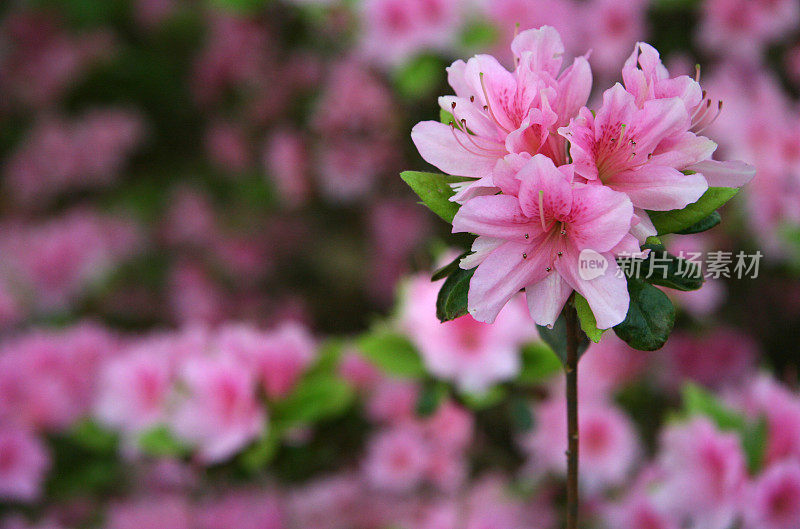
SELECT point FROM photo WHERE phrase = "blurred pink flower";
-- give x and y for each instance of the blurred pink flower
(23, 464)
(133, 390)
(287, 165)
(52, 263)
(392, 401)
(397, 458)
(609, 446)
(532, 236)
(703, 476)
(227, 145)
(609, 28)
(638, 512)
(277, 358)
(472, 354)
(720, 358)
(219, 413)
(743, 29)
(394, 31)
(58, 156)
(242, 510)
(152, 512)
(774, 498)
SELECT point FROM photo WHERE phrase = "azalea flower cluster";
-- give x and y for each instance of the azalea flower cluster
(553, 179)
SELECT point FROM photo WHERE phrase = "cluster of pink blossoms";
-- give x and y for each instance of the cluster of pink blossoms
(550, 178)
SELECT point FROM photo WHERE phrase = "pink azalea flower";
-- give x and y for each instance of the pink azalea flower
(774, 499)
(397, 458)
(23, 464)
(704, 474)
(647, 78)
(133, 390)
(505, 112)
(609, 446)
(243, 510)
(640, 151)
(474, 355)
(609, 28)
(150, 513)
(220, 413)
(396, 30)
(278, 357)
(532, 236)
(638, 512)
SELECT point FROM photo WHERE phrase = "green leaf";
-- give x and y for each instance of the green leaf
(587, 319)
(451, 303)
(703, 225)
(521, 416)
(698, 401)
(754, 443)
(449, 268)
(316, 398)
(419, 77)
(260, 453)
(91, 436)
(556, 338)
(650, 317)
(487, 399)
(435, 191)
(240, 6)
(539, 363)
(664, 269)
(430, 398)
(680, 219)
(393, 353)
(479, 34)
(160, 442)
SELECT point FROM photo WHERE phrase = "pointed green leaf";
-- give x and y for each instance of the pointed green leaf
(587, 319)
(431, 396)
(451, 303)
(650, 317)
(449, 268)
(680, 219)
(435, 191)
(315, 398)
(703, 225)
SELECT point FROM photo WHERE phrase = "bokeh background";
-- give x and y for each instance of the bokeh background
(215, 304)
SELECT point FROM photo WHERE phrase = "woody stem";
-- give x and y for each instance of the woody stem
(571, 367)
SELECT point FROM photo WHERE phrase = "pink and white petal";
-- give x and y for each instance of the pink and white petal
(498, 83)
(505, 172)
(642, 227)
(541, 49)
(496, 216)
(546, 298)
(473, 188)
(659, 119)
(683, 150)
(438, 146)
(618, 107)
(481, 248)
(599, 219)
(476, 120)
(543, 186)
(732, 173)
(607, 294)
(574, 87)
(502, 275)
(658, 187)
(456, 78)
(629, 247)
